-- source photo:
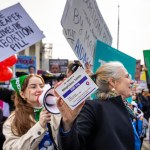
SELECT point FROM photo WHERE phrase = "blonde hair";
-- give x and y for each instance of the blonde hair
(102, 76)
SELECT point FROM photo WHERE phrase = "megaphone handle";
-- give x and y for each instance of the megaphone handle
(51, 136)
(51, 83)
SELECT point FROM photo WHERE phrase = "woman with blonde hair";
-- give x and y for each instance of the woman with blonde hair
(104, 123)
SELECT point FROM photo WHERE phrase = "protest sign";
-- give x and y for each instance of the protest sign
(105, 53)
(140, 76)
(146, 54)
(75, 89)
(138, 70)
(17, 31)
(24, 62)
(58, 65)
(82, 25)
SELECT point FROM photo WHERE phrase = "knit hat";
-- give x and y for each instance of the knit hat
(18, 82)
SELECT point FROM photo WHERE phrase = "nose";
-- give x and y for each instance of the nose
(131, 81)
(39, 89)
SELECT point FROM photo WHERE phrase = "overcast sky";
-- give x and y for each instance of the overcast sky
(134, 23)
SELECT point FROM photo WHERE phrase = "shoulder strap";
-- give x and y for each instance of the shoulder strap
(51, 135)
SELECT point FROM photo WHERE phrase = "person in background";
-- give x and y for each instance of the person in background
(20, 73)
(138, 97)
(7, 96)
(26, 127)
(145, 99)
(55, 68)
(31, 70)
(6, 107)
(140, 115)
(72, 67)
(105, 123)
(2, 137)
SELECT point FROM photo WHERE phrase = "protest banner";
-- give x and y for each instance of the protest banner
(24, 62)
(146, 54)
(105, 53)
(17, 31)
(58, 65)
(83, 24)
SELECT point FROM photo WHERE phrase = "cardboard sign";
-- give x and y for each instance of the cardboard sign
(17, 31)
(75, 89)
(83, 24)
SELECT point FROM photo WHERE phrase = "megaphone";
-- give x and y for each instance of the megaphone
(48, 99)
(50, 77)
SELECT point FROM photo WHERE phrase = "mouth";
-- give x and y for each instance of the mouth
(37, 99)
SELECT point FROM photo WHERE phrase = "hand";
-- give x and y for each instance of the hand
(45, 117)
(88, 69)
(68, 115)
(139, 114)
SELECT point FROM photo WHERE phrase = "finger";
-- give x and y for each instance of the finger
(86, 64)
(55, 93)
(79, 107)
(57, 84)
(44, 109)
(45, 116)
(59, 102)
(64, 79)
(47, 112)
(46, 120)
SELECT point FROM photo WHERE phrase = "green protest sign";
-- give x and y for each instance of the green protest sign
(105, 53)
(146, 54)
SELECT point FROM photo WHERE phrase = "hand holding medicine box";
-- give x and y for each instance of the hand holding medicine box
(75, 89)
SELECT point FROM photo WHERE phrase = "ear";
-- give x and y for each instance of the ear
(22, 94)
(112, 82)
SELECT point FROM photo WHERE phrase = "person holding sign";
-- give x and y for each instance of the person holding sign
(26, 128)
(72, 67)
(104, 123)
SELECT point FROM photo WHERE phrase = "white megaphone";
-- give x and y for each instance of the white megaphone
(48, 99)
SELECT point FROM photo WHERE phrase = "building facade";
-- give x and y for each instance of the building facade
(42, 51)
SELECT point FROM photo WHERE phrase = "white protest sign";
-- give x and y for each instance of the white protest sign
(17, 31)
(82, 25)
(75, 89)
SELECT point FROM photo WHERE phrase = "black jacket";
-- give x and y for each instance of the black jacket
(146, 106)
(2, 137)
(101, 125)
(5, 95)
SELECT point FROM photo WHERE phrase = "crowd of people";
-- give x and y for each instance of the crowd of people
(107, 122)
